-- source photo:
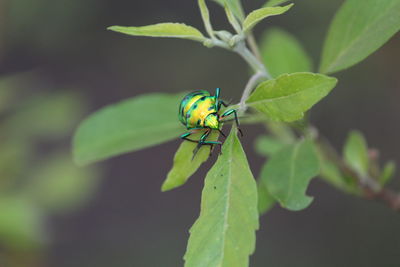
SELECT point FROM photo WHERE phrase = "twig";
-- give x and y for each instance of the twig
(249, 57)
(369, 186)
(253, 45)
(251, 84)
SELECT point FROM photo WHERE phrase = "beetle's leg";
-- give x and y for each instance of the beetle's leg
(188, 139)
(203, 141)
(185, 135)
(217, 104)
(217, 90)
(223, 103)
(229, 112)
(198, 142)
(208, 143)
(192, 131)
(222, 133)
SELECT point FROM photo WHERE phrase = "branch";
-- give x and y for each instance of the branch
(251, 84)
(369, 186)
(253, 45)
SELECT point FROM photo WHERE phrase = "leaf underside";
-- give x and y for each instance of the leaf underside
(127, 126)
(275, 3)
(288, 173)
(234, 6)
(172, 30)
(265, 200)
(282, 53)
(356, 152)
(258, 15)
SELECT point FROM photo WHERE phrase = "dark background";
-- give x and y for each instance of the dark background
(129, 222)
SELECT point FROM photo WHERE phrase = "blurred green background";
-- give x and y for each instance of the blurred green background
(58, 64)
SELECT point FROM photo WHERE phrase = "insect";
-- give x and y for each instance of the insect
(200, 111)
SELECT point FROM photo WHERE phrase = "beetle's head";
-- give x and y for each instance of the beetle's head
(212, 121)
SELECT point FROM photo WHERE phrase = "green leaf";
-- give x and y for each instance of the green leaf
(257, 15)
(127, 126)
(288, 173)
(58, 185)
(265, 200)
(287, 97)
(232, 20)
(8, 91)
(183, 165)
(358, 29)
(13, 86)
(332, 175)
(205, 15)
(224, 234)
(172, 30)
(275, 3)
(21, 224)
(282, 53)
(388, 172)
(268, 145)
(48, 116)
(282, 131)
(235, 6)
(356, 152)
(15, 156)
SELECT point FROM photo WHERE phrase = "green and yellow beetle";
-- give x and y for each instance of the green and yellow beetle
(198, 111)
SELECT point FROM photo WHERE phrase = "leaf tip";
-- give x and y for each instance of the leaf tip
(113, 28)
(287, 7)
(166, 187)
(78, 159)
(322, 69)
(300, 205)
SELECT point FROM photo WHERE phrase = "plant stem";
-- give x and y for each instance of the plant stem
(244, 52)
(249, 57)
(253, 81)
(216, 42)
(253, 46)
(260, 70)
(369, 186)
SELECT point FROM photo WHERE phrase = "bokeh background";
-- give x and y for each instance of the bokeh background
(58, 63)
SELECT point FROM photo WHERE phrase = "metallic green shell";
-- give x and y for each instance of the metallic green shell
(195, 107)
(188, 101)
